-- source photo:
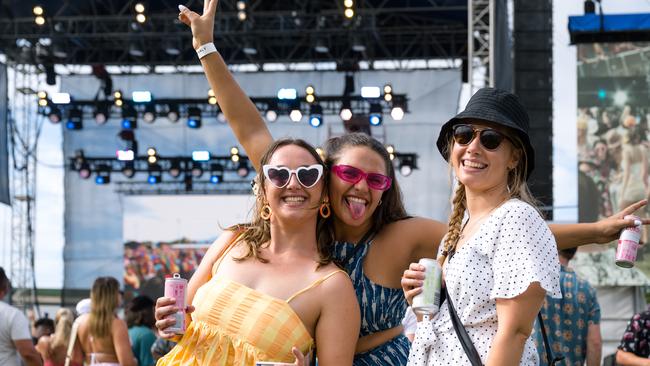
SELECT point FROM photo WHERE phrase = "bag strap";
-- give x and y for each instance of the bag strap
(73, 340)
(549, 353)
(463, 337)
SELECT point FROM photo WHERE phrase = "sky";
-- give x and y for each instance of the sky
(49, 210)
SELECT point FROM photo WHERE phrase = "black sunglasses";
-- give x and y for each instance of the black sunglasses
(488, 137)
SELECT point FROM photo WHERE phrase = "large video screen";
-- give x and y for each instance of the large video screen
(612, 132)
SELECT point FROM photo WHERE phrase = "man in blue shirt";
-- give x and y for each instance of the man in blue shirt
(572, 322)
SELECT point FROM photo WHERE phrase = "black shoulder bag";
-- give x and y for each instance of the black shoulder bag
(466, 341)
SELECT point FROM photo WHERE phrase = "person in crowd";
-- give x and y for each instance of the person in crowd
(268, 290)
(42, 327)
(82, 307)
(634, 349)
(54, 348)
(15, 338)
(369, 216)
(161, 347)
(572, 322)
(500, 260)
(103, 337)
(140, 321)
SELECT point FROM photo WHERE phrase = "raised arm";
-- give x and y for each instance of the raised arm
(599, 232)
(241, 114)
(515, 317)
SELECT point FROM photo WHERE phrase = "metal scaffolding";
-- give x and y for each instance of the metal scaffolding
(24, 128)
(480, 41)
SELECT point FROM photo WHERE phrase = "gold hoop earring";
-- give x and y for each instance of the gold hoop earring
(325, 211)
(266, 212)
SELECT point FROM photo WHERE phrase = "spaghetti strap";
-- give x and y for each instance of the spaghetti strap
(315, 283)
(225, 250)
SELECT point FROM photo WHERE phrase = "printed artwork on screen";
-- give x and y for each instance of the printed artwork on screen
(146, 264)
(612, 131)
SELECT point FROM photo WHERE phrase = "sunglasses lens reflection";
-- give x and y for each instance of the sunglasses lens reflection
(308, 177)
(279, 177)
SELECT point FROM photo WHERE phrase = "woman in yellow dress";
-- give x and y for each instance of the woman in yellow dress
(268, 290)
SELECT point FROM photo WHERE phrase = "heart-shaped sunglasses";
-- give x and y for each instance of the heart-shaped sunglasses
(280, 176)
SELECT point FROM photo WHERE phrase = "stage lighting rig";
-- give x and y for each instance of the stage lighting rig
(129, 117)
(75, 121)
(194, 117)
(375, 117)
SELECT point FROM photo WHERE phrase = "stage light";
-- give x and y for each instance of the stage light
(149, 114)
(310, 89)
(349, 13)
(60, 98)
(242, 169)
(172, 113)
(117, 94)
(54, 115)
(271, 115)
(310, 98)
(128, 169)
(212, 99)
(375, 117)
(315, 115)
(136, 50)
(197, 170)
(390, 149)
(193, 117)
(125, 155)
(37, 10)
(348, 3)
(346, 111)
(405, 169)
(287, 93)
(175, 168)
(388, 89)
(620, 98)
(249, 48)
(118, 102)
(602, 94)
(39, 20)
(42, 95)
(152, 159)
(129, 117)
(103, 175)
(321, 46)
(234, 150)
(370, 92)
(84, 170)
(216, 173)
(152, 151)
(154, 178)
(200, 155)
(295, 115)
(74, 121)
(397, 113)
(241, 5)
(357, 44)
(101, 113)
(139, 8)
(42, 102)
(141, 96)
(141, 18)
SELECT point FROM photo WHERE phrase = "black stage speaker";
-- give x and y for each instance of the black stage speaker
(533, 83)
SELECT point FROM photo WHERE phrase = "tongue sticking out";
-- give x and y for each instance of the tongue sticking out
(357, 209)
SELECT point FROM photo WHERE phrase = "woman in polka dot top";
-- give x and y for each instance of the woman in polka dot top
(499, 256)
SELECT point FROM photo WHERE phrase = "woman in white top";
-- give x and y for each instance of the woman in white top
(499, 257)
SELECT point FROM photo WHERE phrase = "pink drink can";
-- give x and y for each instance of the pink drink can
(175, 287)
(628, 243)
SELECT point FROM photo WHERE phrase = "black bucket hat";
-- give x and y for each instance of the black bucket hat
(497, 106)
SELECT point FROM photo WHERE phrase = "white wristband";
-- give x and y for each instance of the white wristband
(206, 49)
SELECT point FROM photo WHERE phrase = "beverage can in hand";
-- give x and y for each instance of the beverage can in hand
(176, 287)
(628, 243)
(428, 301)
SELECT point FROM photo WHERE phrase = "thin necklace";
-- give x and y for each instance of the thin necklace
(481, 218)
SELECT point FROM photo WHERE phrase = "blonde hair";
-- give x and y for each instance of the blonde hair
(103, 302)
(517, 188)
(63, 320)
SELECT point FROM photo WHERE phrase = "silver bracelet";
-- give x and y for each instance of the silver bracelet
(206, 49)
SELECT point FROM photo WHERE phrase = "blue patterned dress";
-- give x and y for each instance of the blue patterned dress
(381, 308)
